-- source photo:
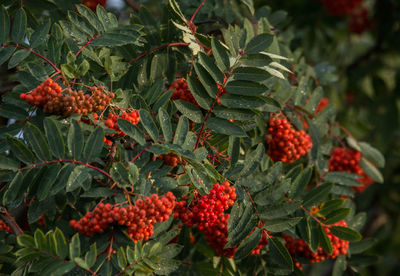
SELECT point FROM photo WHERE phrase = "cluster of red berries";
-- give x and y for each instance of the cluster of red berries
(340, 7)
(299, 248)
(138, 219)
(347, 160)
(284, 142)
(92, 4)
(49, 96)
(359, 21)
(221, 91)
(4, 227)
(170, 159)
(182, 92)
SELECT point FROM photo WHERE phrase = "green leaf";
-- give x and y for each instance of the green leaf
(62, 179)
(162, 100)
(189, 110)
(317, 195)
(220, 55)
(91, 17)
(211, 68)
(75, 247)
(278, 210)
(342, 178)
(371, 170)
(61, 268)
(245, 88)
(280, 225)
(252, 160)
(243, 227)
(13, 189)
(234, 216)
(78, 176)
(234, 149)
(243, 102)
(340, 266)
(93, 145)
(132, 131)
(118, 37)
(26, 240)
(330, 206)
(248, 244)
(147, 121)
(4, 25)
(19, 26)
(38, 142)
(224, 127)
(324, 240)
(300, 183)
(18, 57)
(13, 112)
(5, 54)
(345, 233)
(206, 80)
(181, 131)
(39, 37)
(90, 257)
(47, 181)
(250, 74)
(120, 174)
(20, 150)
(98, 192)
(372, 154)
(279, 253)
(54, 137)
(233, 114)
(83, 68)
(80, 23)
(62, 246)
(199, 92)
(75, 140)
(337, 215)
(40, 239)
(121, 257)
(8, 164)
(165, 123)
(361, 246)
(258, 43)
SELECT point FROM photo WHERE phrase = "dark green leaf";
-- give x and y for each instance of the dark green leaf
(224, 127)
(147, 121)
(345, 233)
(93, 145)
(279, 253)
(78, 176)
(38, 142)
(372, 154)
(98, 192)
(340, 266)
(317, 195)
(62, 179)
(278, 210)
(211, 68)
(189, 110)
(132, 131)
(13, 188)
(54, 137)
(91, 17)
(220, 55)
(324, 240)
(18, 56)
(300, 182)
(233, 114)
(248, 244)
(40, 240)
(371, 170)
(252, 160)
(19, 26)
(5, 54)
(62, 247)
(250, 74)
(243, 102)
(165, 123)
(75, 140)
(120, 174)
(243, 227)
(8, 164)
(181, 131)
(206, 80)
(39, 37)
(47, 181)
(337, 215)
(20, 150)
(361, 246)
(330, 206)
(4, 25)
(258, 43)
(75, 247)
(199, 92)
(280, 225)
(245, 88)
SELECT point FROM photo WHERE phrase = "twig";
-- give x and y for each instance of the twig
(10, 221)
(86, 44)
(157, 48)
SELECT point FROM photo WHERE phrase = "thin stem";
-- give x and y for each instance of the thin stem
(158, 48)
(10, 221)
(197, 10)
(68, 161)
(140, 153)
(86, 44)
(36, 54)
(314, 217)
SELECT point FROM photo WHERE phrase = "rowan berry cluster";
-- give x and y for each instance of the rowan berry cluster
(49, 96)
(284, 142)
(170, 159)
(348, 160)
(4, 227)
(340, 7)
(182, 92)
(299, 248)
(92, 4)
(221, 91)
(138, 219)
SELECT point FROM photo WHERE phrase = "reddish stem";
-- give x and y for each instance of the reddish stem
(86, 44)
(140, 153)
(68, 161)
(197, 10)
(36, 54)
(158, 48)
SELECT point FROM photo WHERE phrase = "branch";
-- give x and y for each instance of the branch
(197, 10)
(87, 44)
(10, 221)
(157, 48)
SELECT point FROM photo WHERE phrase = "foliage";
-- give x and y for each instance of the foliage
(246, 81)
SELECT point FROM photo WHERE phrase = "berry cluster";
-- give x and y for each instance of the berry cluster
(138, 219)
(170, 159)
(347, 160)
(340, 7)
(49, 96)
(359, 21)
(221, 91)
(299, 248)
(4, 227)
(92, 4)
(285, 143)
(182, 92)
